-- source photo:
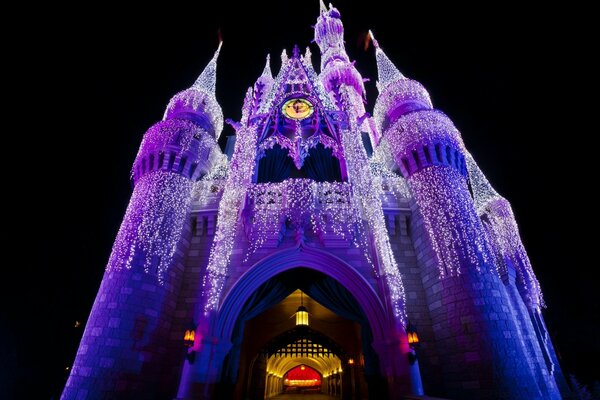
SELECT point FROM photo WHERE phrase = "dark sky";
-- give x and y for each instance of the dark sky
(507, 78)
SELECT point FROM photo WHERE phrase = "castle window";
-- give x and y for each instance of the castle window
(320, 165)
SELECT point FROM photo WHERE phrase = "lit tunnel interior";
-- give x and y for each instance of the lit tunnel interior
(277, 339)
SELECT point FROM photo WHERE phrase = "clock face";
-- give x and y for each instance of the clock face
(297, 108)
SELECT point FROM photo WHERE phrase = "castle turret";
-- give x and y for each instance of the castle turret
(263, 86)
(471, 309)
(127, 331)
(336, 67)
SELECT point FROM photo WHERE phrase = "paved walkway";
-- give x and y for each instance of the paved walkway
(299, 396)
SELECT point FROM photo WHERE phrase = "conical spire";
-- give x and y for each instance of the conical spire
(322, 6)
(207, 81)
(308, 56)
(267, 71)
(483, 190)
(284, 58)
(386, 70)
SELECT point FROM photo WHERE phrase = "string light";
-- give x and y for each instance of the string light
(367, 189)
(481, 230)
(241, 169)
(153, 223)
(199, 100)
(503, 232)
(162, 173)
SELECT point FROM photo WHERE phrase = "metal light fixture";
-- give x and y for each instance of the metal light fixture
(301, 314)
(188, 337)
(413, 343)
(188, 341)
(413, 338)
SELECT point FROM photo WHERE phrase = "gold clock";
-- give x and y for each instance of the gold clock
(297, 108)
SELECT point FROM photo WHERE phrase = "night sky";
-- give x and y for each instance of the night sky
(102, 79)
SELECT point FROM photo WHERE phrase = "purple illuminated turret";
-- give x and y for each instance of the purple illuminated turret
(263, 86)
(126, 334)
(472, 309)
(336, 67)
(398, 95)
(198, 103)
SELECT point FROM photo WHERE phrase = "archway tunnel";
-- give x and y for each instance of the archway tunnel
(272, 338)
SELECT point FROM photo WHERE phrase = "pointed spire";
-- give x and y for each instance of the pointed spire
(375, 42)
(483, 191)
(267, 71)
(207, 81)
(386, 70)
(284, 58)
(296, 51)
(322, 6)
(308, 56)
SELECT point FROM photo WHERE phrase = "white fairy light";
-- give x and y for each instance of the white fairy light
(200, 98)
(153, 223)
(503, 232)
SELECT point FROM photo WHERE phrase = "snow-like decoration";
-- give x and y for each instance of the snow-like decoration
(199, 102)
(503, 233)
(367, 190)
(397, 94)
(387, 72)
(153, 224)
(239, 179)
(449, 217)
(303, 204)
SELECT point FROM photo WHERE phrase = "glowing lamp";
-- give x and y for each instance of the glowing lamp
(301, 314)
(188, 337)
(351, 361)
(413, 338)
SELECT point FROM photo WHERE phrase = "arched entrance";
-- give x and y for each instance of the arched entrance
(253, 370)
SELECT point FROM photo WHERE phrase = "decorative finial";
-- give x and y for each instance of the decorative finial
(207, 81)
(308, 55)
(375, 42)
(267, 71)
(284, 58)
(296, 52)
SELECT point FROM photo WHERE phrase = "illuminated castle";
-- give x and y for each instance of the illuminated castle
(331, 251)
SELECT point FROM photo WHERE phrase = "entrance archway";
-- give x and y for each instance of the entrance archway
(306, 257)
(255, 323)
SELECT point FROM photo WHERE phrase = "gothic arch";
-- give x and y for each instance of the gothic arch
(307, 257)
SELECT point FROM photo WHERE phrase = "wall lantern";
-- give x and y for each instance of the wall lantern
(188, 341)
(188, 337)
(413, 343)
(413, 338)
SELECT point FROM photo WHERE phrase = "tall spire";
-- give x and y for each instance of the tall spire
(483, 191)
(308, 56)
(267, 71)
(386, 70)
(207, 81)
(322, 6)
(199, 102)
(284, 58)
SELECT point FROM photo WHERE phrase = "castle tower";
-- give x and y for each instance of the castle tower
(126, 334)
(477, 327)
(337, 69)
